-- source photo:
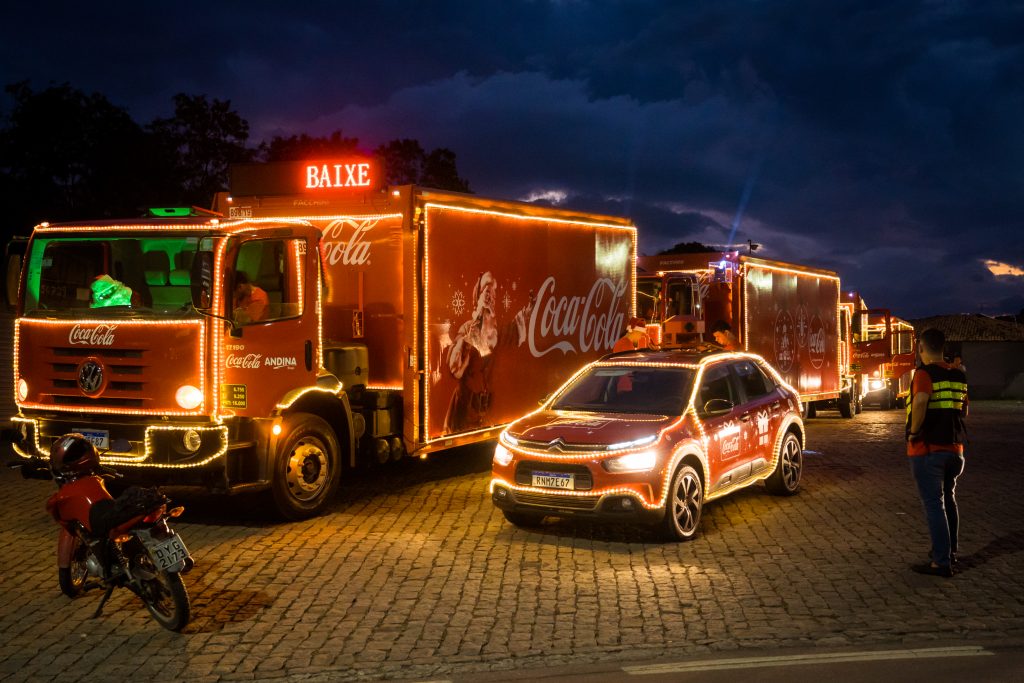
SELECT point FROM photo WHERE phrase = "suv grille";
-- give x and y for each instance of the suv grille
(556, 501)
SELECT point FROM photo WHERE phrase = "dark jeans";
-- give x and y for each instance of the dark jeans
(936, 475)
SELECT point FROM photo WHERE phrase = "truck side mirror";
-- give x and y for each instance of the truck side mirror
(14, 255)
(202, 280)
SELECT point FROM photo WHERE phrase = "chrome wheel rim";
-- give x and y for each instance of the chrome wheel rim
(686, 502)
(792, 462)
(308, 470)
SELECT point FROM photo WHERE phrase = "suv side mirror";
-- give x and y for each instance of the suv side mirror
(718, 406)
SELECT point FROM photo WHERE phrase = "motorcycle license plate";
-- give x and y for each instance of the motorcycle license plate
(170, 554)
(100, 438)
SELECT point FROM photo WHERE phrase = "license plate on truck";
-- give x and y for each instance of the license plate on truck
(554, 480)
(169, 554)
(100, 438)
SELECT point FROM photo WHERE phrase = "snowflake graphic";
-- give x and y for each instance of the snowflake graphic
(506, 301)
(458, 303)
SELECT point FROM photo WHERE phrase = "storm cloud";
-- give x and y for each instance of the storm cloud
(879, 139)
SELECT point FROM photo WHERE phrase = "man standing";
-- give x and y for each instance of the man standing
(934, 431)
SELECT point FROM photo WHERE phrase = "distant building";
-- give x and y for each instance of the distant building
(992, 352)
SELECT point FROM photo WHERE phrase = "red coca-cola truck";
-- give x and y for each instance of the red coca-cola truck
(787, 313)
(315, 320)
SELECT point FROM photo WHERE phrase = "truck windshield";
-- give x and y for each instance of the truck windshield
(124, 275)
(629, 389)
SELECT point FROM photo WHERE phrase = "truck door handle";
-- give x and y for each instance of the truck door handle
(309, 356)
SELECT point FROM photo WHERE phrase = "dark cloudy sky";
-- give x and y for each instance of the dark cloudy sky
(884, 140)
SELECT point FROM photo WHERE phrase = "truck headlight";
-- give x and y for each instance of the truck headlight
(22, 390)
(875, 384)
(188, 397)
(502, 455)
(633, 462)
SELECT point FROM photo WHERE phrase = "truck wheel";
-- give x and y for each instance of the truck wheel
(785, 480)
(809, 410)
(523, 519)
(845, 403)
(684, 505)
(858, 406)
(307, 467)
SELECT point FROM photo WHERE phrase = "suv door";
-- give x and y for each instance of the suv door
(760, 413)
(724, 431)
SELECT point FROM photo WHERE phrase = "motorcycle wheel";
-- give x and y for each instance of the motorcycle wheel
(72, 579)
(163, 592)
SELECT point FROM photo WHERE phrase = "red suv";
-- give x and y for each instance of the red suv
(650, 437)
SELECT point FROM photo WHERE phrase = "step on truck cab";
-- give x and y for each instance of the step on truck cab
(319, 321)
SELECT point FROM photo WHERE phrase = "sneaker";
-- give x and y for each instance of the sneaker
(933, 569)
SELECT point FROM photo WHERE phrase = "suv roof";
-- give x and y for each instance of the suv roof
(690, 355)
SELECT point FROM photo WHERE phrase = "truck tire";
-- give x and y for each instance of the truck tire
(845, 404)
(683, 505)
(809, 410)
(785, 480)
(886, 402)
(307, 467)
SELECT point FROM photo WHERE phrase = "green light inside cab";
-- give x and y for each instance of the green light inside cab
(170, 211)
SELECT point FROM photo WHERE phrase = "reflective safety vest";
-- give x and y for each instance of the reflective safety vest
(943, 423)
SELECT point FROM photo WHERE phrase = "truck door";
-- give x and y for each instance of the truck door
(274, 347)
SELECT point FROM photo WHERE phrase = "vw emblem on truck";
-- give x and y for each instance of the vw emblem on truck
(90, 376)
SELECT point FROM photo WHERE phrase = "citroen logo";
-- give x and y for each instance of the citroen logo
(557, 445)
(90, 376)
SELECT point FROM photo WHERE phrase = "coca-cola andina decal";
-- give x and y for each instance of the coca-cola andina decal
(255, 361)
(98, 335)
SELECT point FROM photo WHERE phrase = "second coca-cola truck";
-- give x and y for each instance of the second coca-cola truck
(386, 322)
(786, 313)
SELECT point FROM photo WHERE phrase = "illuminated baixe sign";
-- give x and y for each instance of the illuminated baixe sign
(326, 176)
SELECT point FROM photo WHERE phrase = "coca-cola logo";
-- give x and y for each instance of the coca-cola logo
(345, 241)
(249, 361)
(816, 342)
(580, 323)
(100, 335)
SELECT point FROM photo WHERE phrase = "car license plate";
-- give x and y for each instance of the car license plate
(554, 480)
(170, 554)
(100, 438)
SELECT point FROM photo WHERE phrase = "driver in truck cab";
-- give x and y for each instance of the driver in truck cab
(250, 302)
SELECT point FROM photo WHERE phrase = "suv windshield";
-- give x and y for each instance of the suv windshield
(629, 389)
(127, 274)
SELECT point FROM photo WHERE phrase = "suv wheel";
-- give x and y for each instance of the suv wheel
(684, 505)
(785, 480)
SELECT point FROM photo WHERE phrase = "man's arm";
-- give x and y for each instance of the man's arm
(918, 409)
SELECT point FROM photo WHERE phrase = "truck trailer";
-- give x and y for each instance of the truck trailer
(787, 313)
(315, 320)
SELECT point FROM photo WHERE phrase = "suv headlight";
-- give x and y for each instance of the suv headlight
(502, 455)
(642, 461)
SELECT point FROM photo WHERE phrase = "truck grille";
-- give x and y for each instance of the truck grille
(124, 388)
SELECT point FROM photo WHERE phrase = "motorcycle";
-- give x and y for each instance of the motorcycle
(113, 542)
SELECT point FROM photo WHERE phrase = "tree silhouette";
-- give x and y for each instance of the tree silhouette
(304, 147)
(203, 139)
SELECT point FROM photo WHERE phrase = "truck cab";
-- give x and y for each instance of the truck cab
(131, 334)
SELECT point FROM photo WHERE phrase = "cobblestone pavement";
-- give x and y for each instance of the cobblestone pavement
(414, 574)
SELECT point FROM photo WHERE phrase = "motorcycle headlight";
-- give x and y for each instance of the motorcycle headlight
(642, 461)
(502, 455)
